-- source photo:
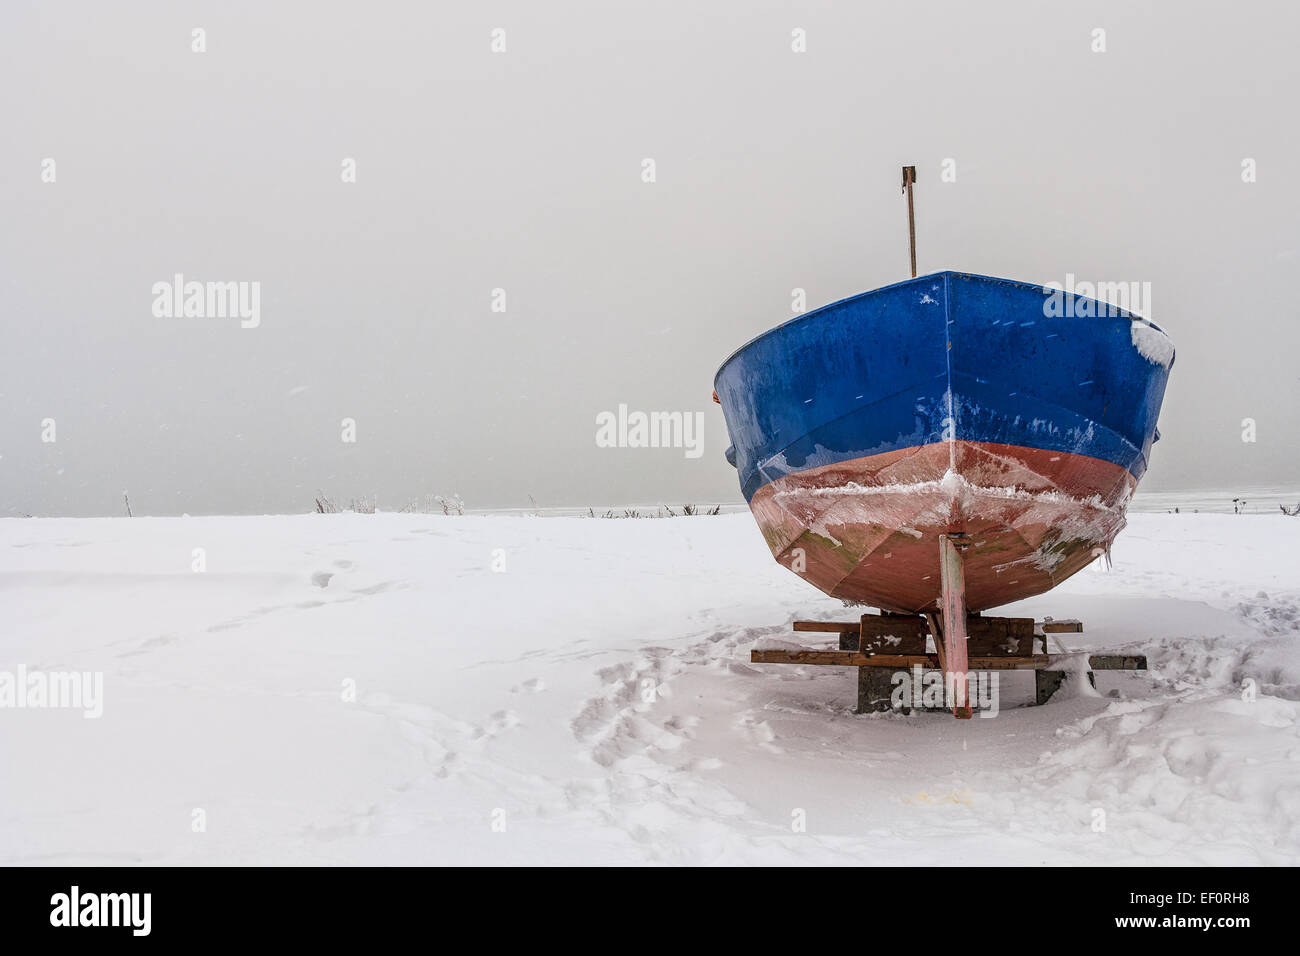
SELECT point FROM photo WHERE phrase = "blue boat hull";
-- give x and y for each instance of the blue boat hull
(950, 403)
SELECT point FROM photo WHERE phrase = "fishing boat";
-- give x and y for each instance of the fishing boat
(1013, 419)
(946, 444)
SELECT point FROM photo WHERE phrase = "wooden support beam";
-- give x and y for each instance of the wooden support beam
(875, 690)
(1047, 683)
(826, 658)
(895, 661)
(990, 636)
(953, 591)
(974, 624)
(900, 633)
(880, 643)
(826, 626)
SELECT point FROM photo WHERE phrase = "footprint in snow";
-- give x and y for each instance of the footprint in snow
(322, 578)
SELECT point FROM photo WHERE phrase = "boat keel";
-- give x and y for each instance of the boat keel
(951, 632)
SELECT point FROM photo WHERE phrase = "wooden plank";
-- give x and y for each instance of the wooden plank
(901, 633)
(1099, 662)
(875, 690)
(1016, 626)
(1049, 627)
(828, 658)
(892, 634)
(896, 661)
(1047, 683)
(994, 636)
(974, 624)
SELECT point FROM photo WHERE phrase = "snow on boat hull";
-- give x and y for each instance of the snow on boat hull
(947, 404)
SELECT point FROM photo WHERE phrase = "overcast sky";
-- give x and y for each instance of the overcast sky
(523, 170)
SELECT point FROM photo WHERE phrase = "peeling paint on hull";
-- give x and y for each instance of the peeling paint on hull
(867, 530)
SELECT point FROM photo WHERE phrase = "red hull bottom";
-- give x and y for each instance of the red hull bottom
(867, 530)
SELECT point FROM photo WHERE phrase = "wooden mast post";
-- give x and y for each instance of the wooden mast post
(909, 177)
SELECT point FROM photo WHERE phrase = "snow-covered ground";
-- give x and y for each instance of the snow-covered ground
(551, 690)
